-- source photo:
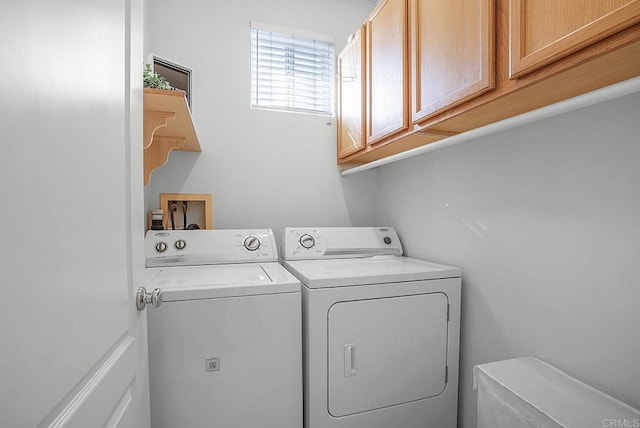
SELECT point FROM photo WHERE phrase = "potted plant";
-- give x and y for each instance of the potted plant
(154, 80)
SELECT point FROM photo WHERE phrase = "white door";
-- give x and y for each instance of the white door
(72, 345)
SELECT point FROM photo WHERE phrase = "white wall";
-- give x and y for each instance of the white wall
(264, 169)
(545, 222)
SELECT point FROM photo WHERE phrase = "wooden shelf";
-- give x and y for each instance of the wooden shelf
(167, 127)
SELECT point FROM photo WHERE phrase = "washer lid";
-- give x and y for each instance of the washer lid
(214, 281)
(367, 270)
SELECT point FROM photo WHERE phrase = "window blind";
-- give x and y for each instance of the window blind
(291, 70)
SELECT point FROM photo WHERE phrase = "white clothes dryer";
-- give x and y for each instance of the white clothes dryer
(380, 331)
(225, 345)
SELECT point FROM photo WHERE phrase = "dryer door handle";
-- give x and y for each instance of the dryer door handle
(350, 362)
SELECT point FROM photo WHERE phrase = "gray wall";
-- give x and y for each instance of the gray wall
(545, 222)
(263, 168)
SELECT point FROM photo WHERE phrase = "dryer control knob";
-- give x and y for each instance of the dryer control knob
(307, 241)
(252, 243)
(161, 247)
(180, 244)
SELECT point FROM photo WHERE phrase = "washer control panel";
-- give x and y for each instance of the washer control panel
(202, 247)
(339, 242)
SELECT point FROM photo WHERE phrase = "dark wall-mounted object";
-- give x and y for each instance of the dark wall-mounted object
(178, 76)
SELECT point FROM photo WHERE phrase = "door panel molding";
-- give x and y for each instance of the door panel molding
(99, 394)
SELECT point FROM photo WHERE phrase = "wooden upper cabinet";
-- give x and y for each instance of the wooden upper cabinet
(452, 53)
(387, 71)
(543, 31)
(351, 95)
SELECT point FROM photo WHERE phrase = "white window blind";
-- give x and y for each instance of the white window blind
(291, 70)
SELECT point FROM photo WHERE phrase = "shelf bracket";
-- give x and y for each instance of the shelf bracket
(154, 120)
(157, 154)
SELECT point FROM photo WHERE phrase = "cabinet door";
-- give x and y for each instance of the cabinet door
(452, 53)
(387, 66)
(543, 31)
(351, 95)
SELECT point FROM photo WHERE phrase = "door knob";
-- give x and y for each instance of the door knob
(143, 297)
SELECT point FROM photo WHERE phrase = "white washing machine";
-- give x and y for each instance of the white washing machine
(380, 331)
(225, 345)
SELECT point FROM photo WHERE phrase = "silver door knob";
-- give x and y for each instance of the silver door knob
(143, 297)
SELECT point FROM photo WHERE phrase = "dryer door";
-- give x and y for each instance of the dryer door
(387, 351)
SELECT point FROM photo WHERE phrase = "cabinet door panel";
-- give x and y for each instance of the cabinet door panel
(452, 53)
(543, 31)
(351, 96)
(387, 82)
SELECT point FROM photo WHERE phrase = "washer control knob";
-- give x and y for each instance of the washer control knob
(180, 244)
(161, 247)
(307, 241)
(387, 240)
(252, 243)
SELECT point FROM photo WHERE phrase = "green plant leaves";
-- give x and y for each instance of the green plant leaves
(153, 80)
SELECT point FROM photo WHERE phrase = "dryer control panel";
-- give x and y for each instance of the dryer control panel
(299, 243)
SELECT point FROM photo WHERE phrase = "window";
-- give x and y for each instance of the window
(291, 70)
